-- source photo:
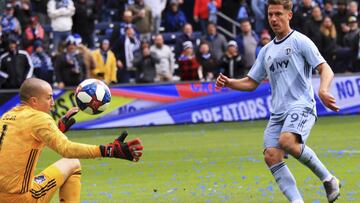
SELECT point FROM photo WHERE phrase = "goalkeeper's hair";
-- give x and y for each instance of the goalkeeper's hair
(288, 5)
(30, 88)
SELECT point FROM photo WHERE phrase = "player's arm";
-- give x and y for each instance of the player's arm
(46, 131)
(243, 84)
(326, 76)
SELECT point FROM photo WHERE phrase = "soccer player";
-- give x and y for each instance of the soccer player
(26, 129)
(288, 61)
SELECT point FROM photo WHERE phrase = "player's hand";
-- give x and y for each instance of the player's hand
(328, 100)
(131, 150)
(221, 81)
(66, 121)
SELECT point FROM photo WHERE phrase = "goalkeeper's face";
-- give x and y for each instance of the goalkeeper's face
(44, 100)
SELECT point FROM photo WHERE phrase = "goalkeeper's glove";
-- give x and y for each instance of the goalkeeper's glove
(131, 150)
(66, 121)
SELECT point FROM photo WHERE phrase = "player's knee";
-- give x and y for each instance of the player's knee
(73, 164)
(76, 164)
(287, 141)
(272, 157)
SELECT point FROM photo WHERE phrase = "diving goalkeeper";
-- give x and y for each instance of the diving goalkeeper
(24, 132)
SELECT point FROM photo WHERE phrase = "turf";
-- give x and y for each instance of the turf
(214, 163)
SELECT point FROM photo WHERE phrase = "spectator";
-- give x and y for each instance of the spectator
(15, 65)
(351, 40)
(258, 8)
(145, 61)
(85, 54)
(189, 67)
(105, 63)
(157, 7)
(23, 12)
(329, 8)
(264, 39)
(247, 42)
(34, 31)
(39, 9)
(201, 12)
(60, 13)
(84, 21)
(2, 42)
(43, 67)
(215, 40)
(212, 7)
(302, 14)
(142, 19)
(9, 23)
(119, 28)
(340, 21)
(165, 67)
(243, 11)
(208, 63)
(353, 10)
(328, 45)
(124, 52)
(231, 64)
(312, 26)
(187, 35)
(175, 18)
(69, 67)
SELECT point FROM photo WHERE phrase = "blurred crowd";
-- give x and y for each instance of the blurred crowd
(147, 41)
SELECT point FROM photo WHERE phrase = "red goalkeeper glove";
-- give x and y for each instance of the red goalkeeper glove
(131, 150)
(66, 121)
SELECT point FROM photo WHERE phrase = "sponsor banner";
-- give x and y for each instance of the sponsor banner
(167, 104)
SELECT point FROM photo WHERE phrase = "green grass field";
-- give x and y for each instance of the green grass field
(214, 163)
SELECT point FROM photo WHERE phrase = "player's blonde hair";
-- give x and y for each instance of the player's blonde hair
(288, 5)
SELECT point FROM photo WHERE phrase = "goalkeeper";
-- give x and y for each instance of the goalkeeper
(26, 129)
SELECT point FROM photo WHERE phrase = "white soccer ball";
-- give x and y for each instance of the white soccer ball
(92, 96)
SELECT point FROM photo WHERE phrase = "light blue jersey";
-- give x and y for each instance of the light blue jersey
(288, 64)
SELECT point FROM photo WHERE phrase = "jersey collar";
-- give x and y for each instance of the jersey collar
(282, 40)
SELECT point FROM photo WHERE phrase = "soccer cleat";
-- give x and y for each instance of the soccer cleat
(332, 188)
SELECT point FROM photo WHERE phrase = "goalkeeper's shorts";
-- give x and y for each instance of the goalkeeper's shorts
(43, 187)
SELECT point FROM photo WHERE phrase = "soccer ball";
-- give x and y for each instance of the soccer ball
(92, 96)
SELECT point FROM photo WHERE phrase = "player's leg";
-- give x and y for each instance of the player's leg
(71, 170)
(47, 183)
(294, 134)
(273, 156)
(62, 175)
(289, 142)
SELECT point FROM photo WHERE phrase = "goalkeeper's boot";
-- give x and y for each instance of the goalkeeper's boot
(332, 188)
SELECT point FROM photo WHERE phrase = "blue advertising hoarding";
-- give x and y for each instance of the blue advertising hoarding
(168, 104)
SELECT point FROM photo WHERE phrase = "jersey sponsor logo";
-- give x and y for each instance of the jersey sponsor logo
(40, 179)
(279, 66)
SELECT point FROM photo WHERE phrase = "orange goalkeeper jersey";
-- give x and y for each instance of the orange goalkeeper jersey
(24, 132)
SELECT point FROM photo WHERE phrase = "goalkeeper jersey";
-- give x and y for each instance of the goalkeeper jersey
(24, 132)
